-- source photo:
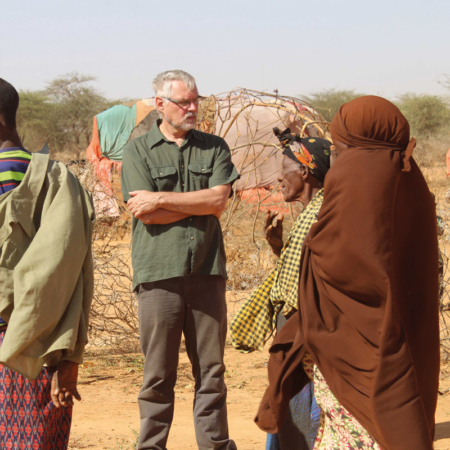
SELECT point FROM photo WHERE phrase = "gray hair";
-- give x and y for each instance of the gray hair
(162, 84)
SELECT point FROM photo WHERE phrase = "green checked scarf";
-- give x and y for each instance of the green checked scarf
(254, 322)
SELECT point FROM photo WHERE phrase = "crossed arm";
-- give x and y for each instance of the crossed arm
(168, 207)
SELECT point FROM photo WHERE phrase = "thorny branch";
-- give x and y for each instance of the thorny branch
(114, 321)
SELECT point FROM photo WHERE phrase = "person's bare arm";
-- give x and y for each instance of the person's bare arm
(199, 203)
(162, 217)
(274, 231)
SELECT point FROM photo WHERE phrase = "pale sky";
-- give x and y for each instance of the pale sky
(384, 47)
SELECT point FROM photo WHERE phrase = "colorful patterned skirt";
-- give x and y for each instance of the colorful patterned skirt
(28, 419)
(338, 429)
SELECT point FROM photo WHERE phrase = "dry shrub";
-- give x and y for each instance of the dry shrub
(246, 270)
(428, 115)
(113, 319)
(114, 322)
(249, 256)
(430, 152)
(444, 304)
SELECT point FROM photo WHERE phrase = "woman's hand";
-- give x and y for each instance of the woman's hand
(274, 231)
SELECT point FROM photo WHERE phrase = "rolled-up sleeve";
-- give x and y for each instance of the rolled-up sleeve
(224, 171)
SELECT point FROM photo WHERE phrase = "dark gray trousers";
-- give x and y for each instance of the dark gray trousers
(193, 305)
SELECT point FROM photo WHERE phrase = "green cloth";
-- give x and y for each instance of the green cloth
(190, 246)
(114, 128)
(11, 176)
(46, 268)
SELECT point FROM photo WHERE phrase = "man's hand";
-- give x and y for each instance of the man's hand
(274, 231)
(64, 384)
(143, 202)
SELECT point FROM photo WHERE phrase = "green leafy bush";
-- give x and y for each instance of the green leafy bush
(427, 114)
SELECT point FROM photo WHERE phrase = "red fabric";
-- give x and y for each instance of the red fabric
(102, 166)
(28, 418)
(274, 202)
(94, 152)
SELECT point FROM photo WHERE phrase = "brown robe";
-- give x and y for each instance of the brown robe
(368, 290)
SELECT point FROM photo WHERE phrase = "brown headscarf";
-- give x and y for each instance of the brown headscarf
(368, 290)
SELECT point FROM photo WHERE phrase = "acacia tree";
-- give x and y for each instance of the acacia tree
(33, 119)
(426, 114)
(61, 115)
(74, 102)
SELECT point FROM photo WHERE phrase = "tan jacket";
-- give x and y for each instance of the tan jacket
(46, 268)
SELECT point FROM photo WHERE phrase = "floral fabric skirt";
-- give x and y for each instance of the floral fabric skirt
(338, 429)
(28, 419)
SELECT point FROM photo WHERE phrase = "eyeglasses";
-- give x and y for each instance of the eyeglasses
(185, 103)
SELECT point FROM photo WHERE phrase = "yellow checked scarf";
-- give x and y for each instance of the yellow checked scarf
(256, 318)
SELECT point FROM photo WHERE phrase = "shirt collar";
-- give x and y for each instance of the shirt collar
(155, 136)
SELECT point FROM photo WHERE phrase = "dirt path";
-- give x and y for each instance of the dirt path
(114, 383)
(108, 416)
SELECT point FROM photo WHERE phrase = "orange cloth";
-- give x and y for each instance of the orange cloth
(102, 166)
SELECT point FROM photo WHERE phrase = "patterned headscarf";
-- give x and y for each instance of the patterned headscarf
(312, 152)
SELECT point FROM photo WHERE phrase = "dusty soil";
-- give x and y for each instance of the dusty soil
(442, 436)
(108, 416)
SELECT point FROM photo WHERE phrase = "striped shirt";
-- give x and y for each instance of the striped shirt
(14, 162)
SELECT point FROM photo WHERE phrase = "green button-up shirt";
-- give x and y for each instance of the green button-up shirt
(190, 246)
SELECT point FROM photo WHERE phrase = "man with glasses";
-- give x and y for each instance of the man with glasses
(176, 181)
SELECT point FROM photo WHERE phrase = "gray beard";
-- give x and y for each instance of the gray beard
(184, 126)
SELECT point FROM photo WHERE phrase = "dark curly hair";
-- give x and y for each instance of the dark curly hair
(9, 102)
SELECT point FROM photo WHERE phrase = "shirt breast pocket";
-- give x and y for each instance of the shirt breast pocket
(165, 177)
(200, 172)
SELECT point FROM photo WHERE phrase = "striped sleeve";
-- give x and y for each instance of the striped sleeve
(14, 163)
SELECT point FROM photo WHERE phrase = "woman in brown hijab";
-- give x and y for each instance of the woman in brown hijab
(367, 324)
